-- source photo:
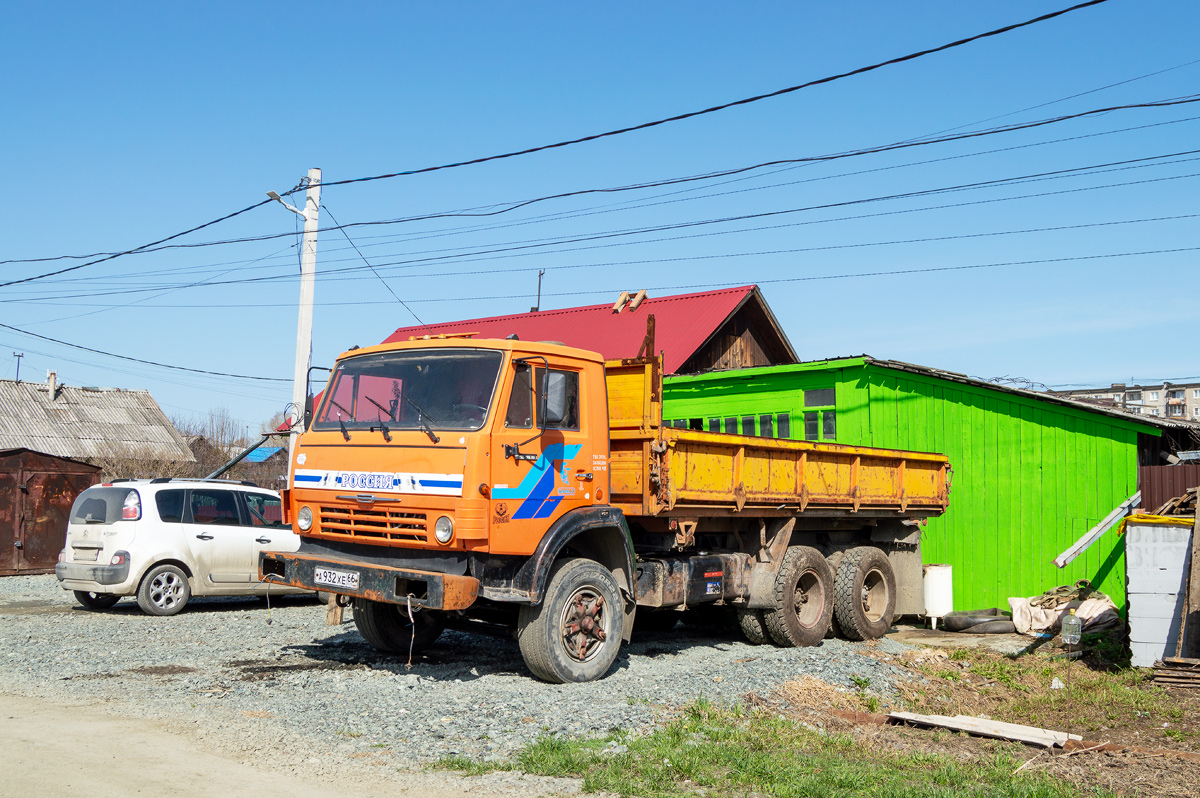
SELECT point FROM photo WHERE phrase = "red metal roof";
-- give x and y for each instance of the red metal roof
(683, 323)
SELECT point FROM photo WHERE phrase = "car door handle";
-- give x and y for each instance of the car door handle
(205, 537)
(262, 540)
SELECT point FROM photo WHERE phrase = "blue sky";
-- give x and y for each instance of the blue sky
(125, 123)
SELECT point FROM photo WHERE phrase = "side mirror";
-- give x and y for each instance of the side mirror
(554, 409)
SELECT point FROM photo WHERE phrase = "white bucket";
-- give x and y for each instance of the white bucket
(939, 591)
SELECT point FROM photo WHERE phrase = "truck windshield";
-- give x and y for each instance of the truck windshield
(436, 388)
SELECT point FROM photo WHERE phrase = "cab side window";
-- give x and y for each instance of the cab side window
(214, 507)
(520, 401)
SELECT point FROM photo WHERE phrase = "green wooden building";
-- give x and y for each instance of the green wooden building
(1031, 472)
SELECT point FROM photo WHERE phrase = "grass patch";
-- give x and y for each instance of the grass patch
(1104, 702)
(721, 750)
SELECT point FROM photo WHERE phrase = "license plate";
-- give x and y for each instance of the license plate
(328, 576)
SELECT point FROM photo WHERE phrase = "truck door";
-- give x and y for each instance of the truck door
(528, 495)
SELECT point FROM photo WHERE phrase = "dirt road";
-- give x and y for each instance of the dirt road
(69, 751)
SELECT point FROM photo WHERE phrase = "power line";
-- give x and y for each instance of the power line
(594, 137)
(512, 206)
(629, 206)
(522, 250)
(724, 106)
(139, 360)
(148, 248)
(372, 268)
(136, 249)
(769, 281)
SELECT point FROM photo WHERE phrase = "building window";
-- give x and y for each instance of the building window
(748, 425)
(784, 425)
(1154, 411)
(1134, 396)
(820, 418)
(1174, 394)
(1154, 396)
(731, 426)
(714, 425)
(766, 426)
(1175, 410)
(1196, 393)
(1196, 412)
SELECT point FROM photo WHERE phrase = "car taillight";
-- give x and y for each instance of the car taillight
(120, 558)
(131, 510)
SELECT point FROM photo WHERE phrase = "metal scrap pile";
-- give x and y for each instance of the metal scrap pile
(1180, 505)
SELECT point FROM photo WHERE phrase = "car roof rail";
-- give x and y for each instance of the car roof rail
(122, 479)
(160, 480)
(249, 484)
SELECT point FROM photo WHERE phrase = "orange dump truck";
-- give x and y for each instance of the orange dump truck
(531, 489)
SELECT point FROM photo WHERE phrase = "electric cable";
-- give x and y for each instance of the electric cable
(372, 268)
(724, 106)
(508, 207)
(522, 250)
(139, 360)
(619, 131)
(384, 240)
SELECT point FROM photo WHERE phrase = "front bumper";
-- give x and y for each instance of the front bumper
(428, 589)
(100, 574)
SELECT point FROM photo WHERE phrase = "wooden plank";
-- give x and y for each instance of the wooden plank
(1047, 738)
(1093, 534)
(1191, 625)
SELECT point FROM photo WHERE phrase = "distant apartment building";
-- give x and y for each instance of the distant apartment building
(1179, 401)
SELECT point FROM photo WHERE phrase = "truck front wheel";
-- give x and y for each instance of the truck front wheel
(387, 627)
(574, 634)
(803, 599)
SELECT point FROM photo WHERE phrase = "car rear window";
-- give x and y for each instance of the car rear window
(99, 505)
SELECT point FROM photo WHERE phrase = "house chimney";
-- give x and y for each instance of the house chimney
(52, 381)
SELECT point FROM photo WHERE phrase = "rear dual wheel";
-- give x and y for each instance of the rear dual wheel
(864, 593)
(803, 600)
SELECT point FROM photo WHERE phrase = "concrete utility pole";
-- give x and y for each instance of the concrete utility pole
(308, 276)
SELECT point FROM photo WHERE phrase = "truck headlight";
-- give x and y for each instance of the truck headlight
(443, 529)
(304, 518)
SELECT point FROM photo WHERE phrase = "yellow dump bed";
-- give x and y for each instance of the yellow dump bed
(666, 471)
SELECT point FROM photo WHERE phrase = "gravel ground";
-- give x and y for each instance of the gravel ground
(284, 687)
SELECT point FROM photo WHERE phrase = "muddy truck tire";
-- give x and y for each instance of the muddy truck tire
(865, 594)
(803, 599)
(574, 634)
(387, 627)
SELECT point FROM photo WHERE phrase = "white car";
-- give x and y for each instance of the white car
(166, 540)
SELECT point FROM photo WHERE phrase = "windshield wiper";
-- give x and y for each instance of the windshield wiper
(342, 424)
(382, 424)
(428, 430)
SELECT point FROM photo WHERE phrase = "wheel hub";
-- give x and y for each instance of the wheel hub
(583, 625)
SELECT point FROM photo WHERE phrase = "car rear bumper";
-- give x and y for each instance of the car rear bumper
(98, 574)
(427, 589)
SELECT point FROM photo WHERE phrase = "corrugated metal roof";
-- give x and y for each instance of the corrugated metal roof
(87, 423)
(261, 453)
(683, 324)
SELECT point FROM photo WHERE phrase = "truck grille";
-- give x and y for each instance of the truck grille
(355, 523)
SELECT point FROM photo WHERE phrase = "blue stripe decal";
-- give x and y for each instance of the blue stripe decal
(307, 478)
(437, 483)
